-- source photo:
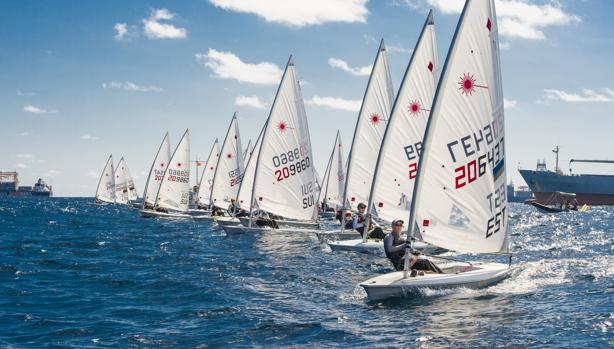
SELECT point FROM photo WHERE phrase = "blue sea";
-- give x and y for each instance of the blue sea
(77, 275)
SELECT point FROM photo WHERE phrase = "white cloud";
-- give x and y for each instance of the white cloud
(24, 134)
(523, 19)
(509, 103)
(21, 166)
(24, 156)
(587, 95)
(36, 110)
(342, 65)
(335, 103)
(226, 65)
(51, 173)
(250, 101)
(21, 93)
(398, 49)
(121, 30)
(89, 137)
(300, 13)
(504, 46)
(154, 29)
(130, 86)
(93, 174)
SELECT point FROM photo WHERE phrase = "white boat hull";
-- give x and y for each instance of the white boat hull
(227, 221)
(375, 247)
(239, 229)
(287, 224)
(337, 235)
(456, 275)
(154, 214)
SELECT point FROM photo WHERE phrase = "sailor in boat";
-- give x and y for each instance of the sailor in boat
(264, 219)
(216, 211)
(235, 211)
(148, 206)
(345, 216)
(394, 245)
(359, 223)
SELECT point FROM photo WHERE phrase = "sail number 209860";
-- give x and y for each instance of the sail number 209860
(290, 163)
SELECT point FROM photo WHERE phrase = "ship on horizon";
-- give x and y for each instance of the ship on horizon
(590, 189)
(9, 186)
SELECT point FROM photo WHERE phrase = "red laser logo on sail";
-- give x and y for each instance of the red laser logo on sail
(229, 156)
(414, 108)
(375, 119)
(467, 84)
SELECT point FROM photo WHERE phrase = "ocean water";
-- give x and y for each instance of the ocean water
(77, 275)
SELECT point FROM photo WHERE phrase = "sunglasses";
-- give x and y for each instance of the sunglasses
(398, 225)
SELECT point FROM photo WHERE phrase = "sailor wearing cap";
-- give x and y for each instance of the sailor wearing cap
(394, 245)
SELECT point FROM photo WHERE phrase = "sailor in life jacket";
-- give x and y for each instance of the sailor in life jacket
(359, 223)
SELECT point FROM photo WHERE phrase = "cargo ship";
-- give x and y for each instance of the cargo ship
(9, 186)
(518, 193)
(591, 189)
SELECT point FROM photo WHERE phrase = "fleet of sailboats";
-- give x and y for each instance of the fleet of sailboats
(434, 153)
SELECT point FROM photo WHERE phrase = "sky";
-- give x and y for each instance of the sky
(84, 79)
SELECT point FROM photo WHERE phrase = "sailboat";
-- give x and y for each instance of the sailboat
(369, 131)
(121, 183)
(284, 176)
(229, 169)
(334, 181)
(132, 194)
(247, 183)
(395, 169)
(203, 196)
(156, 173)
(172, 199)
(105, 191)
(227, 174)
(459, 200)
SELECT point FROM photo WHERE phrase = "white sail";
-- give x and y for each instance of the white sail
(285, 181)
(132, 195)
(395, 173)
(174, 192)
(156, 172)
(245, 190)
(369, 131)
(460, 198)
(248, 151)
(206, 180)
(121, 183)
(105, 191)
(334, 177)
(229, 169)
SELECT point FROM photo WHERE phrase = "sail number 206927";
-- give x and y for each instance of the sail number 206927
(290, 163)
